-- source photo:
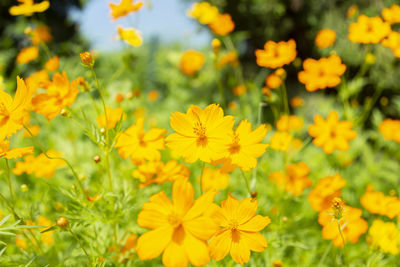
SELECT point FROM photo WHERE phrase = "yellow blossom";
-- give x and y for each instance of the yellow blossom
(41, 34)
(214, 179)
(368, 30)
(124, 8)
(204, 12)
(392, 41)
(275, 55)
(191, 61)
(222, 24)
(295, 180)
(320, 198)
(28, 7)
(113, 117)
(392, 14)
(385, 236)
(281, 141)
(239, 90)
(52, 64)
(390, 129)
(130, 36)
(289, 123)
(27, 54)
(325, 38)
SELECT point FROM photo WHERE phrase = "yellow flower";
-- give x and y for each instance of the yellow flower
(295, 180)
(52, 64)
(113, 117)
(244, 146)
(289, 123)
(191, 61)
(153, 95)
(36, 80)
(229, 58)
(281, 141)
(140, 145)
(28, 54)
(296, 102)
(239, 227)
(378, 203)
(179, 228)
(60, 93)
(13, 153)
(368, 30)
(200, 134)
(222, 24)
(159, 172)
(325, 38)
(322, 73)
(214, 179)
(331, 134)
(41, 34)
(130, 36)
(239, 90)
(275, 55)
(392, 14)
(390, 129)
(320, 198)
(124, 8)
(352, 11)
(385, 236)
(28, 7)
(204, 12)
(392, 41)
(351, 225)
(12, 111)
(47, 237)
(273, 81)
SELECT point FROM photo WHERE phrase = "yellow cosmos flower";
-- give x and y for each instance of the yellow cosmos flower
(60, 93)
(320, 198)
(390, 129)
(200, 134)
(385, 236)
(12, 111)
(222, 24)
(36, 80)
(13, 153)
(289, 123)
(124, 8)
(296, 102)
(239, 227)
(239, 90)
(295, 180)
(273, 81)
(153, 95)
(378, 203)
(28, 7)
(180, 229)
(191, 61)
(140, 145)
(52, 64)
(351, 225)
(281, 141)
(159, 172)
(325, 38)
(331, 134)
(322, 73)
(113, 116)
(392, 14)
(275, 55)
(244, 147)
(214, 179)
(368, 30)
(41, 34)
(27, 54)
(130, 36)
(393, 42)
(204, 12)
(230, 58)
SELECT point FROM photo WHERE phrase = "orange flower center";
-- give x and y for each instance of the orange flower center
(200, 131)
(4, 114)
(233, 225)
(174, 220)
(142, 143)
(234, 148)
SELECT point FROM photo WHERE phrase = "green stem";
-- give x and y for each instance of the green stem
(246, 181)
(46, 49)
(101, 94)
(110, 184)
(285, 102)
(9, 182)
(369, 106)
(221, 91)
(201, 177)
(81, 245)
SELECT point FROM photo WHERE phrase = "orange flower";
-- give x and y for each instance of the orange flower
(191, 61)
(153, 95)
(325, 38)
(36, 80)
(239, 233)
(41, 34)
(28, 54)
(119, 98)
(273, 81)
(378, 203)
(27, 8)
(322, 73)
(113, 117)
(331, 133)
(14, 153)
(390, 129)
(368, 30)
(60, 94)
(204, 12)
(52, 64)
(239, 90)
(222, 24)
(296, 102)
(295, 180)
(289, 123)
(392, 14)
(392, 41)
(275, 55)
(130, 36)
(229, 58)
(320, 198)
(214, 179)
(124, 8)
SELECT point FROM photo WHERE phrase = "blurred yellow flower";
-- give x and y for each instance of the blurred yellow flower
(153, 95)
(204, 12)
(52, 64)
(331, 134)
(214, 179)
(34, 129)
(368, 30)
(296, 102)
(325, 38)
(239, 230)
(41, 34)
(392, 41)
(273, 81)
(281, 141)
(191, 61)
(295, 180)
(378, 203)
(275, 55)
(200, 134)
(390, 129)
(322, 73)
(239, 90)
(28, 7)
(180, 229)
(124, 8)
(113, 117)
(289, 123)
(36, 80)
(27, 54)
(222, 24)
(392, 14)
(385, 236)
(12, 111)
(320, 198)
(13, 153)
(230, 58)
(130, 36)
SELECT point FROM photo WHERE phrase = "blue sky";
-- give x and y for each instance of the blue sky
(165, 19)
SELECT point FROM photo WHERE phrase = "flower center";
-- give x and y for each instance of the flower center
(4, 114)
(234, 148)
(233, 225)
(142, 143)
(200, 131)
(174, 220)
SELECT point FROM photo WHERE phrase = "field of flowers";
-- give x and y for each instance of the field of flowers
(163, 156)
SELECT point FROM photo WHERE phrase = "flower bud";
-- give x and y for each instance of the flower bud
(24, 188)
(97, 159)
(64, 113)
(216, 45)
(338, 208)
(62, 222)
(87, 59)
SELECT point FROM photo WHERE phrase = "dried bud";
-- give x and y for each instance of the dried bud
(62, 222)
(64, 113)
(87, 59)
(216, 45)
(253, 194)
(97, 159)
(338, 208)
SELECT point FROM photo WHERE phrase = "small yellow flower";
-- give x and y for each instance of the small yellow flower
(325, 38)
(281, 141)
(289, 123)
(124, 8)
(113, 117)
(28, 7)
(320, 198)
(130, 36)
(204, 12)
(368, 30)
(296, 102)
(295, 180)
(191, 61)
(392, 14)
(275, 55)
(222, 24)
(239, 90)
(52, 64)
(41, 34)
(273, 81)
(385, 236)
(27, 54)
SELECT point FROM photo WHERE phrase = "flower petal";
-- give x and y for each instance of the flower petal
(196, 250)
(147, 248)
(220, 244)
(255, 224)
(255, 241)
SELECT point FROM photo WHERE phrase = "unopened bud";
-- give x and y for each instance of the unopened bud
(24, 188)
(64, 113)
(216, 45)
(87, 59)
(338, 208)
(97, 159)
(62, 222)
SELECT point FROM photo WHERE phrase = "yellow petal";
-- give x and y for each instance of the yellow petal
(175, 256)
(203, 228)
(200, 205)
(246, 210)
(255, 224)
(255, 241)
(182, 195)
(220, 244)
(196, 250)
(240, 252)
(151, 244)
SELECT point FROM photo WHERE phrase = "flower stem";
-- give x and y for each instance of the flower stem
(9, 182)
(246, 181)
(285, 102)
(110, 184)
(81, 245)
